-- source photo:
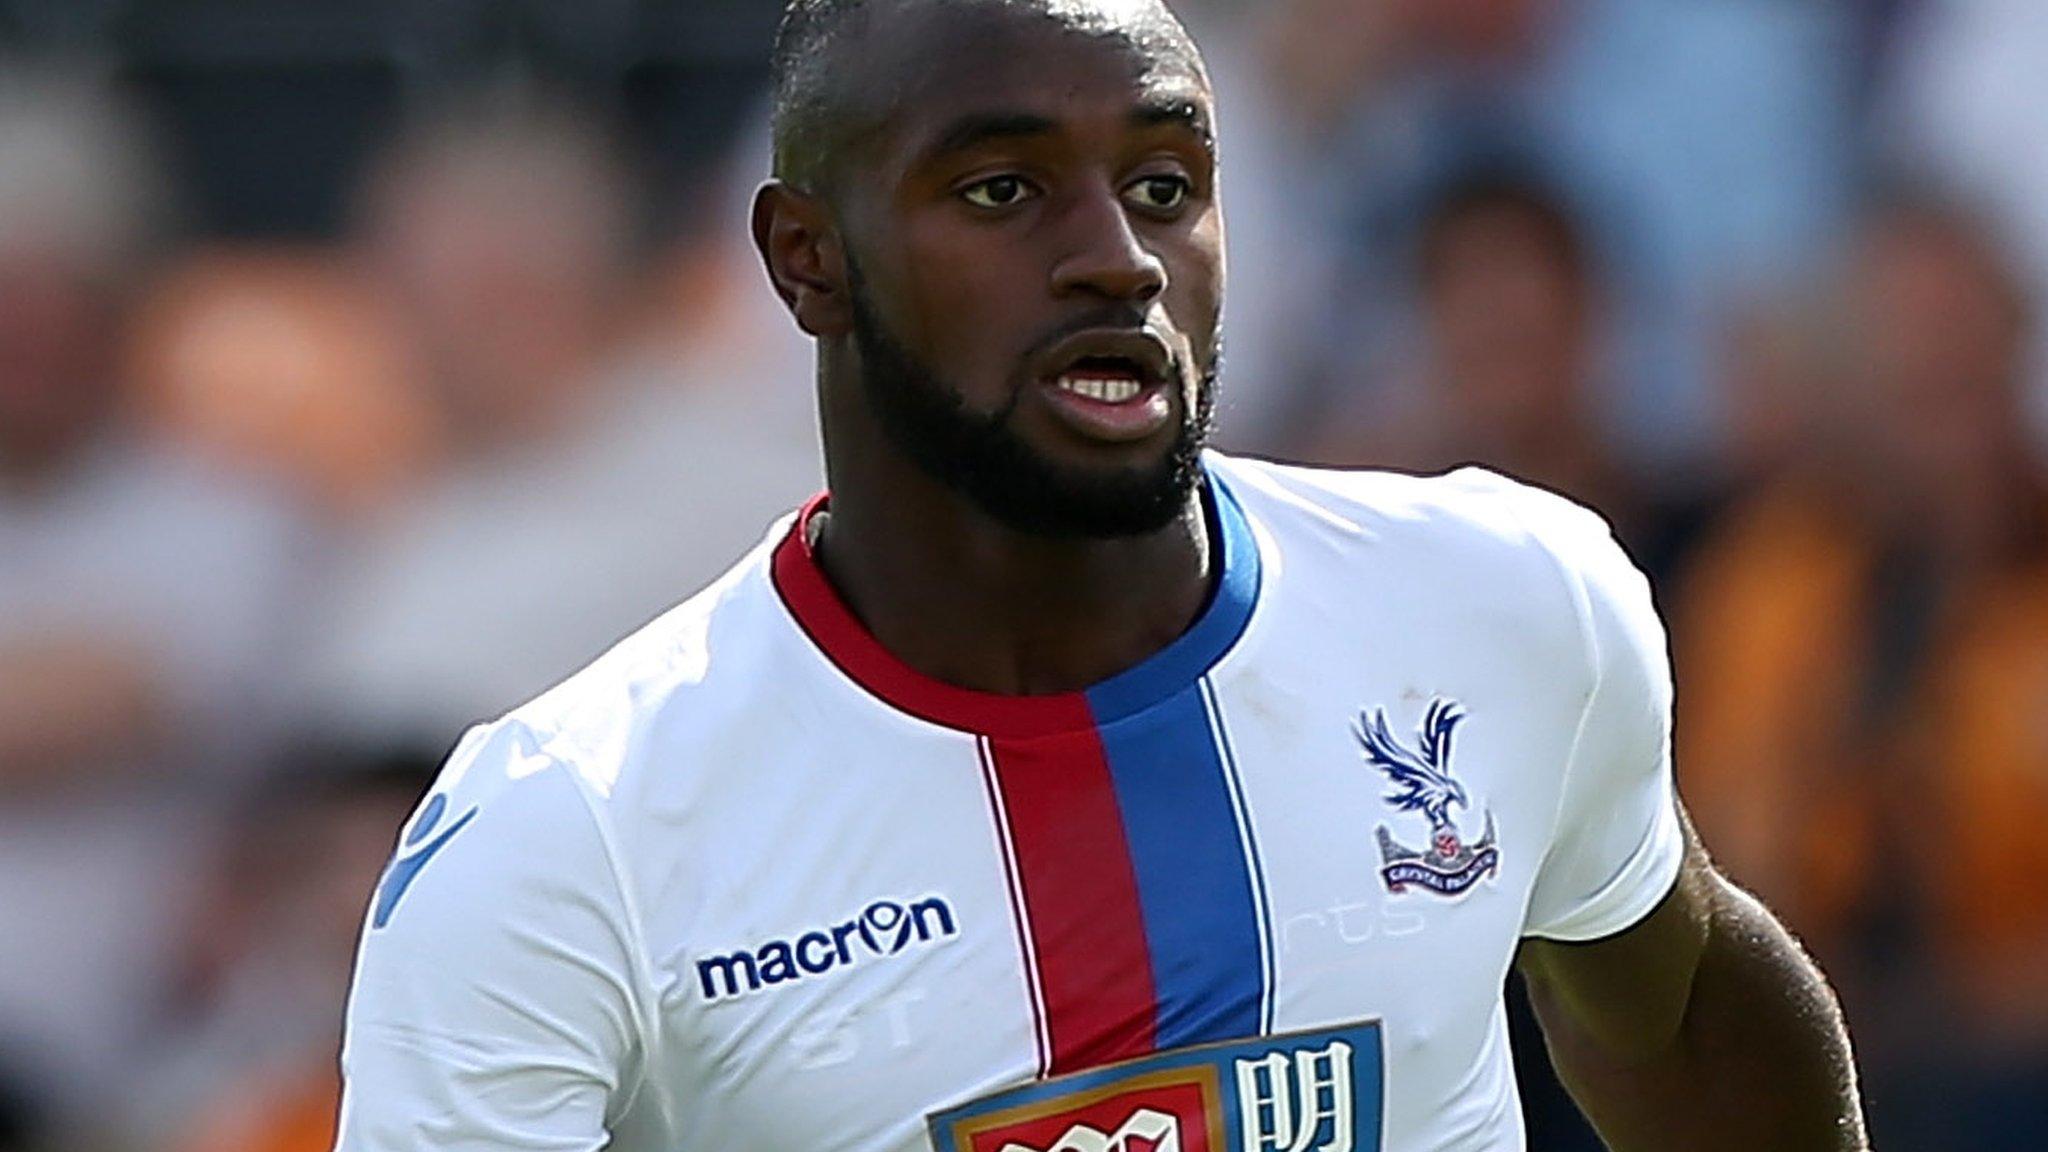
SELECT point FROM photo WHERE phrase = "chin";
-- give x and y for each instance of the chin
(1057, 498)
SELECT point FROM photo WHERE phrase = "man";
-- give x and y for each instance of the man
(1055, 784)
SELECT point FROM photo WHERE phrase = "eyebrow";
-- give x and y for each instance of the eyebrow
(976, 129)
(979, 128)
(1175, 111)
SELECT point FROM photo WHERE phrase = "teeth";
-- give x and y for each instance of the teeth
(1109, 390)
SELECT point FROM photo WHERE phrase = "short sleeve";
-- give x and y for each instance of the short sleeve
(1617, 845)
(494, 1003)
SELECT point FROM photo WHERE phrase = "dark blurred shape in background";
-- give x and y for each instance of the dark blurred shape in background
(366, 366)
(1865, 638)
(247, 1061)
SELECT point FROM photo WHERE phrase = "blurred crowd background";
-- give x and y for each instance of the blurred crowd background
(365, 366)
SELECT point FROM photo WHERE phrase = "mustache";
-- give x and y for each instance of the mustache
(1116, 319)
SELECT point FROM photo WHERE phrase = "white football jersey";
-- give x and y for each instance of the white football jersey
(751, 882)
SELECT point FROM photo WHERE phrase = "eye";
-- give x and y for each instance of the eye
(997, 192)
(1159, 193)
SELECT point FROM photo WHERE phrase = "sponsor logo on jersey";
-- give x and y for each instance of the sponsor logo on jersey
(1424, 785)
(405, 868)
(883, 928)
(1315, 1091)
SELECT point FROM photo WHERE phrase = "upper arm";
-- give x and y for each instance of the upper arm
(1678, 1012)
(1703, 1026)
(1626, 994)
(1617, 841)
(1615, 917)
(493, 1005)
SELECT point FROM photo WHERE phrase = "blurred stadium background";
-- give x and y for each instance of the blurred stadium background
(366, 365)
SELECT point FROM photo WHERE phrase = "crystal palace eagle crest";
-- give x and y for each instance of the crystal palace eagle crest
(1425, 786)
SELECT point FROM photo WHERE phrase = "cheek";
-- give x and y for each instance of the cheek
(971, 309)
(1195, 281)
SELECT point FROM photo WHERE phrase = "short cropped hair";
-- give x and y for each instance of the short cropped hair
(803, 99)
(809, 50)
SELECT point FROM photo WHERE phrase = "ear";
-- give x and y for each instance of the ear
(805, 257)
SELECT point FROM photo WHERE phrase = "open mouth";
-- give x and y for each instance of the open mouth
(1110, 385)
(1106, 379)
(1105, 398)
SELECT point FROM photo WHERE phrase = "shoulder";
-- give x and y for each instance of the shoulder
(1457, 517)
(503, 816)
(503, 873)
(639, 708)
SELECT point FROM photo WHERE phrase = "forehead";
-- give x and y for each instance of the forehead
(938, 62)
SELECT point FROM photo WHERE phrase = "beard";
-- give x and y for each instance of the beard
(982, 458)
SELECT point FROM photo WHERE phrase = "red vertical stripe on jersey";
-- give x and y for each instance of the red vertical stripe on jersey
(1080, 897)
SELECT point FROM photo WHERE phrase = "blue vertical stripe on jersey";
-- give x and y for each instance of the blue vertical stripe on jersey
(1250, 836)
(1195, 887)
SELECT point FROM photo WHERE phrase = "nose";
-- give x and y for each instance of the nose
(1106, 257)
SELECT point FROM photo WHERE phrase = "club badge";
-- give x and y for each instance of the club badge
(1423, 784)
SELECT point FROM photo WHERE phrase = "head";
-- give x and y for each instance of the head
(500, 231)
(1479, 31)
(78, 205)
(1938, 325)
(1508, 309)
(999, 221)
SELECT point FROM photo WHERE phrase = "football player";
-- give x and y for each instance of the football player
(1052, 782)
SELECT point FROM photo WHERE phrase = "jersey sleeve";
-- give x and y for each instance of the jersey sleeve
(494, 1004)
(1617, 843)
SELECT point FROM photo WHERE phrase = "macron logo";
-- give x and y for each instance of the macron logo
(883, 928)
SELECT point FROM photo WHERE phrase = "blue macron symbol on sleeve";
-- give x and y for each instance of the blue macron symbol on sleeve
(405, 869)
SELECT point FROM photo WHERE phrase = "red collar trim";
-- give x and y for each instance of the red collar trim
(824, 617)
(845, 641)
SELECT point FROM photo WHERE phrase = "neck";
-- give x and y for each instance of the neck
(969, 601)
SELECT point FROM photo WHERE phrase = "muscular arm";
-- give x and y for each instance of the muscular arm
(1703, 1027)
